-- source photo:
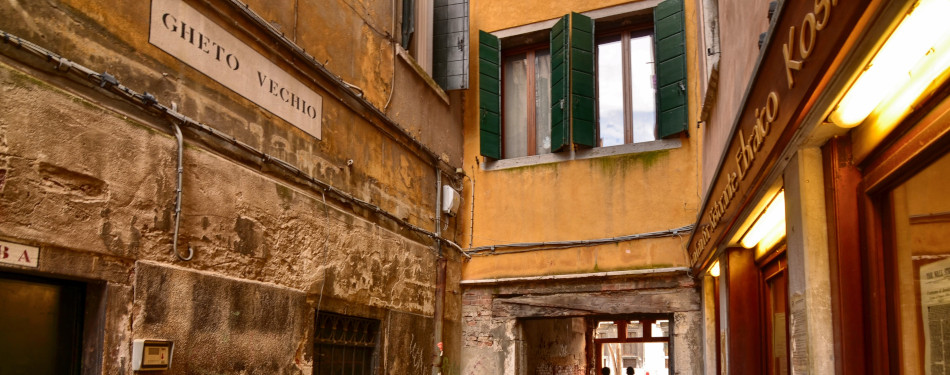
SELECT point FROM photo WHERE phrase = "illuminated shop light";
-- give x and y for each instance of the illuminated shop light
(772, 219)
(714, 270)
(916, 54)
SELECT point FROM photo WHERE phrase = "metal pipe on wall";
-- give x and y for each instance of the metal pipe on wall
(440, 274)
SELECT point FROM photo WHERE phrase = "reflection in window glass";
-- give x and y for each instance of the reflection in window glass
(661, 328)
(920, 245)
(516, 107)
(643, 87)
(610, 93)
(606, 330)
(634, 329)
(542, 89)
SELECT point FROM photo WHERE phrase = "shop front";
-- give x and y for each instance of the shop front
(822, 241)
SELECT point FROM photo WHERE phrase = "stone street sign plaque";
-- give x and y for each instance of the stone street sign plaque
(183, 32)
(20, 255)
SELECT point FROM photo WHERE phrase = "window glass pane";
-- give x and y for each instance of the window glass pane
(610, 93)
(634, 329)
(515, 96)
(542, 90)
(920, 243)
(606, 330)
(660, 328)
(643, 84)
(644, 358)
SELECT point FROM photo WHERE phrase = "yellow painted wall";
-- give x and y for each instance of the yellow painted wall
(580, 199)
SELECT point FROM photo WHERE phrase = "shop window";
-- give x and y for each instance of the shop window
(639, 342)
(775, 308)
(917, 242)
(344, 344)
(641, 73)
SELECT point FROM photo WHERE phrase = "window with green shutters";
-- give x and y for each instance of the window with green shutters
(670, 36)
(623, 85)
(489, 94)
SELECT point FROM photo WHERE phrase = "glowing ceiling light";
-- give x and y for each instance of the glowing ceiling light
(772, 218)
(920, 39)
(714, 270)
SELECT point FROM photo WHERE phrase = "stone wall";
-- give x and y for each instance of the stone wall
(520, 327)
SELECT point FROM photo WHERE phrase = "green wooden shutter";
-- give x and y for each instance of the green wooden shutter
(583, 93)
(489, 94)
(560, 85)
(670, 39)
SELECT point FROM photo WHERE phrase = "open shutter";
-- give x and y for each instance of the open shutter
(670, 37)
(408, 22)
(560, 85)
(450, 44)
(583, 94)
(489, 94)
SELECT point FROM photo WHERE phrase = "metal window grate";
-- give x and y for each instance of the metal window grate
(344, 345)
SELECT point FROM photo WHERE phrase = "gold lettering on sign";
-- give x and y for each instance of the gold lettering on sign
(763, 117)
(790, 64)
(807, 38)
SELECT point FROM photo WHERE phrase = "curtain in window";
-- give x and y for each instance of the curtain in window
(542, 90)
(516, 107)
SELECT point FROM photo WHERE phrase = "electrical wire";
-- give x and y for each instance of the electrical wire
(538, 246)
(147, 101)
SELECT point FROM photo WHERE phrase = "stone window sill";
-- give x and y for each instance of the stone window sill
(408, 59)
(597, 152)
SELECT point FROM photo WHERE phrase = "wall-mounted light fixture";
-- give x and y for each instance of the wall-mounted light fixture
(771, 220)
(916, 54)
(714, 269)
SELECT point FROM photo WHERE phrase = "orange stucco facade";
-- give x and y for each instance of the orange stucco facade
(622, 194)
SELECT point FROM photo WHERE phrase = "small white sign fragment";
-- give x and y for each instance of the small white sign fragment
(20, 255)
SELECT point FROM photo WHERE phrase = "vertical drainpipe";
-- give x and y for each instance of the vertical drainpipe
(440, 276)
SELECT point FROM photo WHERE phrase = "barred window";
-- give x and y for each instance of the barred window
(344, 345)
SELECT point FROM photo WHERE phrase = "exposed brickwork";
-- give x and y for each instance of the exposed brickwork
(477, 319)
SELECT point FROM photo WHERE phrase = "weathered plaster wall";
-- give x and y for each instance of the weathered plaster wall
(113, 205)
(740, 22)
(581, 199)
(104, 38)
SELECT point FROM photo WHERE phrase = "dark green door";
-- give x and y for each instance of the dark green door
(40, 325)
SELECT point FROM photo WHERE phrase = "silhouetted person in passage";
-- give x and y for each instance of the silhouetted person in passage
(630, 370)
(605, 371)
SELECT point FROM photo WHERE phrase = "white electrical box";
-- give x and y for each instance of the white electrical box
(450, 200)
(152, 355)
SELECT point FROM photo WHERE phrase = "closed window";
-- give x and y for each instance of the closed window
(626, 84)
(527, 102)
(344, 345)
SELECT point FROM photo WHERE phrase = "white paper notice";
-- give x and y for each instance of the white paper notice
(935, 307)
(185, 33)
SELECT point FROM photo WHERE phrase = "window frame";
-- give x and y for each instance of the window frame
(369, 341)
(622, 338)
(625, 34)
(529, 50)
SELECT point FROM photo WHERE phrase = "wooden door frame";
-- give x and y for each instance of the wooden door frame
(866, 341)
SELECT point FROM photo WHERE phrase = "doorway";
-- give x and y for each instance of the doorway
(40, 325)
(637, 343)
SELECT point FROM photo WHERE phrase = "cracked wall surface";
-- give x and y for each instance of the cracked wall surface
(91, 180)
